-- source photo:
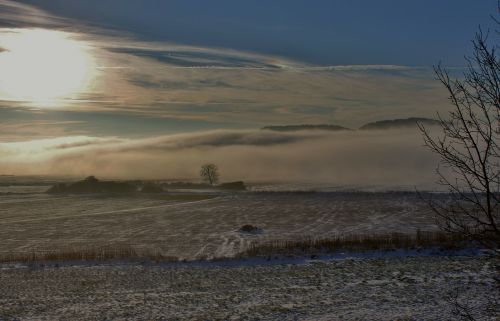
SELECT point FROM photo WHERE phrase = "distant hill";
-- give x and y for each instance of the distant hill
(185, 185)
(233, 186)
(382, 124)
(92, 185)
(400, 123)
(294, 128)
(230, 186)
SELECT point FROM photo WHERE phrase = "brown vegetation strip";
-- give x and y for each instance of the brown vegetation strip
(308, 246)
(108, 253)
(358, 243)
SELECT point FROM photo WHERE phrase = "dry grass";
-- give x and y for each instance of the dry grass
(108, 253)
(306, 246)
(392, 241)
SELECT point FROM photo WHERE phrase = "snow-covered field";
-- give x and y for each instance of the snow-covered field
(417, 288)
(204, 225)
(200, 228)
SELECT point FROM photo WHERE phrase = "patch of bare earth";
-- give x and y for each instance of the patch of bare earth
(414, 288)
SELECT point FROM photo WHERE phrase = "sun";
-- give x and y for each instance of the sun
(42, 66)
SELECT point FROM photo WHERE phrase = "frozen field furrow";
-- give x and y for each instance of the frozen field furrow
(372, 289)
(206, 228)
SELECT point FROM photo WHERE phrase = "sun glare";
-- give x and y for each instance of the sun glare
(42, 66)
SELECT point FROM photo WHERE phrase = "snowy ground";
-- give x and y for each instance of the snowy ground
(366, 288)
(200, 229)
(415, 288)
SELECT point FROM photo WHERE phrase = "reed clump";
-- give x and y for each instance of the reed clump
(357, 243)
(86, 254)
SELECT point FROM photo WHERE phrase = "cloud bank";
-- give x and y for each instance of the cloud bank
(387, 157)
(16, 14)
(155, 109)
(209, 87)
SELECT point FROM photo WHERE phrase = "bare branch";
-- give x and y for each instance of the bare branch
(469, 146)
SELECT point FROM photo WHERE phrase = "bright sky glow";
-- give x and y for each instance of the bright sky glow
(42, 66)
(156, 88)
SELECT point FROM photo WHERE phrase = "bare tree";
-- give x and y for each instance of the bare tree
(210, 173)
(469, 147)
(469, 150)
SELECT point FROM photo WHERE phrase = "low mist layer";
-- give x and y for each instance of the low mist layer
(380, 157)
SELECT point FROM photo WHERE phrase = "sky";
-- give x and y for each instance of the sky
(101, 87)
(323, 32)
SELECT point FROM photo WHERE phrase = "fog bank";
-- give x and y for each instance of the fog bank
(374, 157)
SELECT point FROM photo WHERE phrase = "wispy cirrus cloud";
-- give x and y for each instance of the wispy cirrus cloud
(26, 129)
(199, 58)
(14, 14)
(169, 88)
